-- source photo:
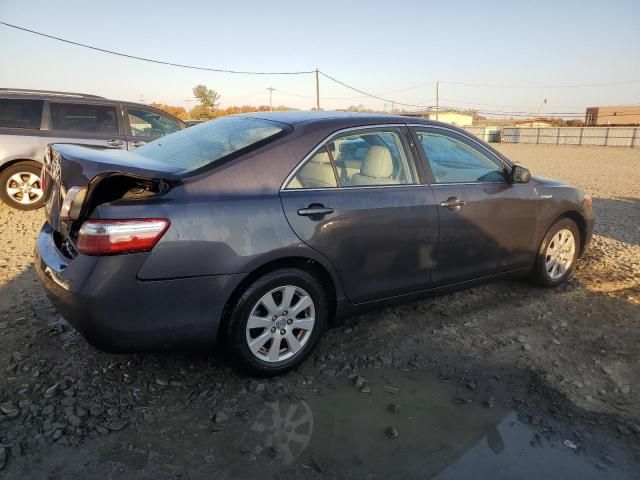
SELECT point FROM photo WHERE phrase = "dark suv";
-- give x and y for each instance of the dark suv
(31, 119)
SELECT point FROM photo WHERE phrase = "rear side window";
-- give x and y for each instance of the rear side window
(371, 157)
(68, 117)
(200, 145)
(20, 113)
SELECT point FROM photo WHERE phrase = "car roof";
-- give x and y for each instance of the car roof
(296, 117)
(332, 121)
(20, 93)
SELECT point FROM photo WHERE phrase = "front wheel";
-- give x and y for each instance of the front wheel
(21, 186)
(557, 254)
(277, 321)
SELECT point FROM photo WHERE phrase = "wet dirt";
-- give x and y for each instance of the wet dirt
(381, 423)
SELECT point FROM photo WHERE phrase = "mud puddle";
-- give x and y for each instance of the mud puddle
(410, 425)
(385, 424)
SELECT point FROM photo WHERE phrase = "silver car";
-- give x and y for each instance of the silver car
(32, 119)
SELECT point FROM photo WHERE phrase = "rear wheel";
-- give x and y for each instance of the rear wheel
(277, 321)
(21, 186)
(558, 253)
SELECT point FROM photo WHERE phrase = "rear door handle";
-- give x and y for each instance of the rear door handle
(114, 142)
(453, 203)
(138, 143)
(313, 210)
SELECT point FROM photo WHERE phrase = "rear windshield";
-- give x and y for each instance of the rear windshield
(200, 145)
(20, 113)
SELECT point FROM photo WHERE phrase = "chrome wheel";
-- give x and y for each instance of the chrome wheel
(24, 188)
(560, 253)
(280, 324)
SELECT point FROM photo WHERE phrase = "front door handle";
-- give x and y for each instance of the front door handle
(315, 210)
(138, 143)
(114, 142)
(453, 203)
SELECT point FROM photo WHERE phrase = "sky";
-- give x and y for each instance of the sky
(396, 50)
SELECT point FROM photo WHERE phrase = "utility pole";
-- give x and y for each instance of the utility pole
(437, 98)
(271, 89)
(317, 90)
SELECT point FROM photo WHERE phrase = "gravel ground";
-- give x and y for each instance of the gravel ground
(566, 360)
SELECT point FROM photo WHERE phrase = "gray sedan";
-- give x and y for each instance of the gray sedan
(259, 231)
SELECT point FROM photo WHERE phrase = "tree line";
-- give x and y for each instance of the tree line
(208, 106)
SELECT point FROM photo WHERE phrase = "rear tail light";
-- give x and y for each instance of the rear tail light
(107, 237)
(587, 201)
(72, 203)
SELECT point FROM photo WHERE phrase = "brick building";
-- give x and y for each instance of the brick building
(619, 115)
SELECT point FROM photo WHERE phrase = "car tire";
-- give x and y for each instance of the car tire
(21, 186)
(557, 254)
(278, 325)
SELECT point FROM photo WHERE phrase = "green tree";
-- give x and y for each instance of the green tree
(209, 101)
(200, 112)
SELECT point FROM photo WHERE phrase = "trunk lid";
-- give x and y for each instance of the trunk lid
(68, 166)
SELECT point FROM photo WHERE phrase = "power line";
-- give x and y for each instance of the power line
(550, 114)
(409, 88)
(245, 95)
(468, 102)
(150, 60)
(370, 94)
(354, 97)
(295, 94)
(633, 112)
(305, 72)
(467, 84)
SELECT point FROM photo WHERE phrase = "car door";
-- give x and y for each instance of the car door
(96, 124)
(145, 125)
(376, 224)
(487, 224)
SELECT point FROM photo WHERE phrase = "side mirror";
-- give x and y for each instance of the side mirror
(520, 174)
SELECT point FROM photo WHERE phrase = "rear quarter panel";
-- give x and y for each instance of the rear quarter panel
(227, 220)
(22, 145)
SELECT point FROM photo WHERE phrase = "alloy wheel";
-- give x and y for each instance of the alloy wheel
(280, 324)
(560, 253)
(24, 188)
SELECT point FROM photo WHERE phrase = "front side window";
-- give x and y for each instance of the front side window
(20, 113)
(453, 161)
(369, 157)
(209, 142)
(147, 123)
(68, 117)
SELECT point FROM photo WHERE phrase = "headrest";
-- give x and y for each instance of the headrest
(321, 157)
(377, 163)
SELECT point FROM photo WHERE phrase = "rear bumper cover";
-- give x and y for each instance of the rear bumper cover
(115, 311)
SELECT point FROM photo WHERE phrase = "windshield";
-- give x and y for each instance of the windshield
(200, 145)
